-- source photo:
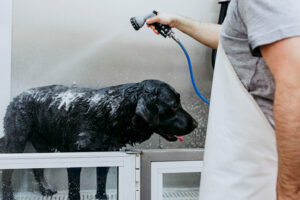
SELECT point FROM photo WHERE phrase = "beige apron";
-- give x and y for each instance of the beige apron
(240, 161)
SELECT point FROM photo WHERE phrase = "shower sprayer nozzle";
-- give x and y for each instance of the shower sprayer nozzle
(138, 22)
(134, 21)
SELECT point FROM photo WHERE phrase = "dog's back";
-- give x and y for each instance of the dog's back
(22, 115)
(53, 112)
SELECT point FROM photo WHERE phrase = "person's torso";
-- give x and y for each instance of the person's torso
(252, 71)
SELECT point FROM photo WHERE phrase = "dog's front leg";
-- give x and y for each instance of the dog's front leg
(7, 192)
(45, 188)
(74, 183)
(101, 183)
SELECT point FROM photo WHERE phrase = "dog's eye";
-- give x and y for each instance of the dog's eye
(175, 107)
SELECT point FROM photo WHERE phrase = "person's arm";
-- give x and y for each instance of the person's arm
(283, 59)
(205, 33)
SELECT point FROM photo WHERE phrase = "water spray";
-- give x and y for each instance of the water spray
(166, 31)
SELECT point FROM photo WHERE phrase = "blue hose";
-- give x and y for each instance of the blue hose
(191, 72)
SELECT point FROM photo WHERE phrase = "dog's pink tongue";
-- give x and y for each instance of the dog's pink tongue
(179, 138)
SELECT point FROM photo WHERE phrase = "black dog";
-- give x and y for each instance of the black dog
(59, 118)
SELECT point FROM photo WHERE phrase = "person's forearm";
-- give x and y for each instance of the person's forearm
(206, 33)
(287, 124)
(283, 59)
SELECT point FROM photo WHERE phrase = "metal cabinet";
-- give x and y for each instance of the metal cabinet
(171, 174)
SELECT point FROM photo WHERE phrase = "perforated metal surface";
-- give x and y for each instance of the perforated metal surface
(181, 194)
(168, 194)
(62, 195)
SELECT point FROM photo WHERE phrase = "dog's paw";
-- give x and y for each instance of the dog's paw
(8, 196)
(101, 197)
(47, 191)
(74, 196)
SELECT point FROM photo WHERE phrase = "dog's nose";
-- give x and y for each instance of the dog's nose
(195, 123)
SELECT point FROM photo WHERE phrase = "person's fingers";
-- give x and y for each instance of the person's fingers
(153, 20)
(153, 28)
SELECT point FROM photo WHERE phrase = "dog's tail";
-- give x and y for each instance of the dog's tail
(2, 143)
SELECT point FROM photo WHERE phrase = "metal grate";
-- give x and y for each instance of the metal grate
(168, 194)
(63, 195)
(181, 194)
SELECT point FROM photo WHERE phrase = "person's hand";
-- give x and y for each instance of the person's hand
(163, 18)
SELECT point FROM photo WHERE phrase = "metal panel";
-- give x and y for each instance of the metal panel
(160, 168)
(5, 56)
(163, 156)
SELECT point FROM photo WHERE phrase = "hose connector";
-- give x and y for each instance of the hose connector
(173, 36)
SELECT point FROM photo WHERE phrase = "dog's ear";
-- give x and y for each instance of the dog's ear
(147, 109)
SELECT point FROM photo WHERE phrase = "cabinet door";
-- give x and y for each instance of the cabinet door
(175, 180)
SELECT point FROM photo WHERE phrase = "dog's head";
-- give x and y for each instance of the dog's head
(159, 106)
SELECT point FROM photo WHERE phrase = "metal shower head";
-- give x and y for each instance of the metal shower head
(138, 22)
